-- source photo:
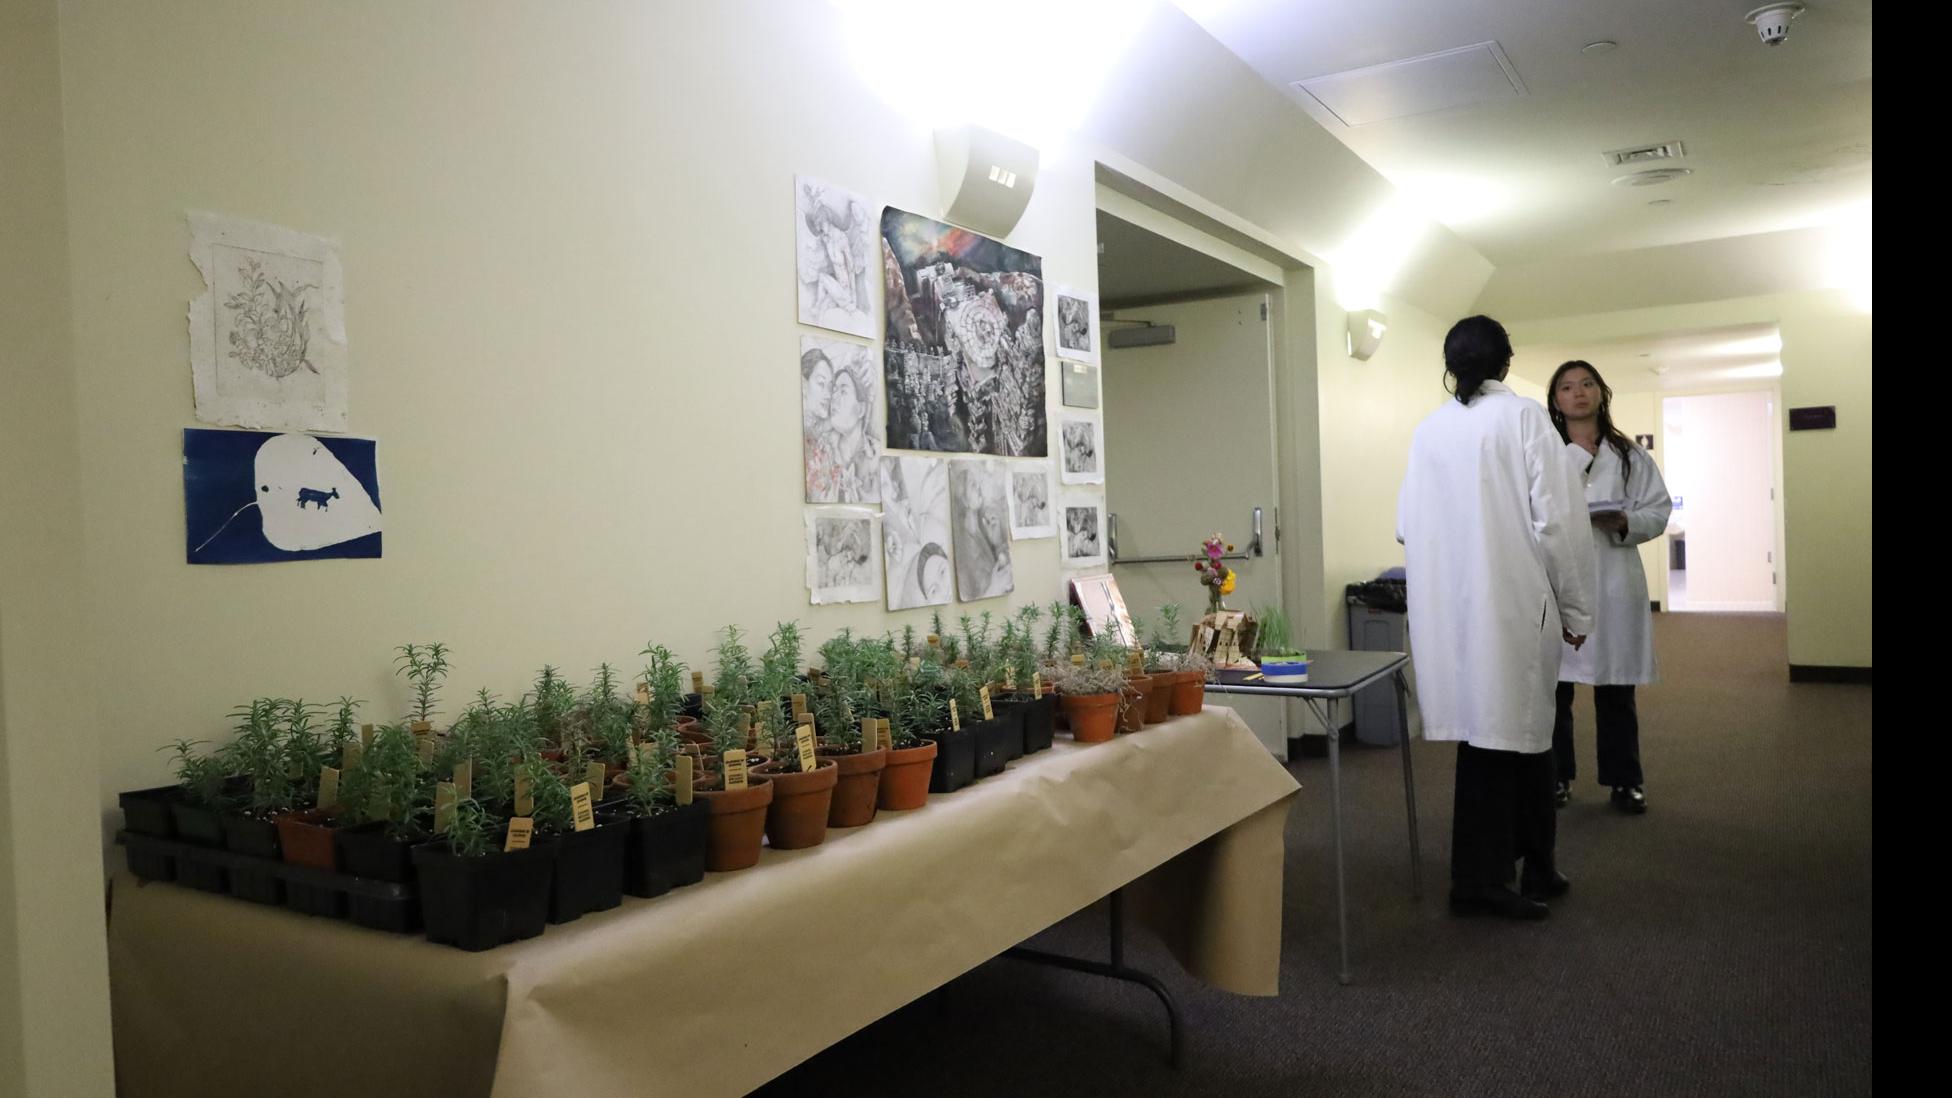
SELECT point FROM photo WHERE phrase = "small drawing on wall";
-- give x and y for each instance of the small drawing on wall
(1031, 502)
(915, 531)
(250, 497)
(1077, 325)
(835, 233)
(843, 557)
(1083, 454)
(267, 335)
(984, 568)
(1083, 538)
(840, 421)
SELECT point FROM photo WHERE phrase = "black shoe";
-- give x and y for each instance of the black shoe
(1561, 794)
(1549, 885)
(1629, 799)
(1500, 901)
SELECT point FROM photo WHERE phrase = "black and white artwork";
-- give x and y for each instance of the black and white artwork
(982, 532)
(835, 233)
(843, 557)
(1077, 325)
(1082, 539)
(1080, 386)
(1084, 461)
(268, 333)
(1032, 502)
(963, 349)
(252, 497)
(915, 531)
(840, 421)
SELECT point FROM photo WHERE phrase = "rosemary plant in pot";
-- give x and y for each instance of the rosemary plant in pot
(475, 893)
(803, 795)
(843, 710)
(666, 847)
(589, 872)
(922, 708)
(1091, 693)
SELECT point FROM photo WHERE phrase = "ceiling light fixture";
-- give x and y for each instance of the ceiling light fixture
(1652, 177)
(1594, 49)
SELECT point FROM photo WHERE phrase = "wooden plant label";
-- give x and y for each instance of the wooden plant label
(803, 739)
(464, 778)
(1077, 659)
(955, 717)
(1010, 679)
(643, 693)
(579, 797)
(989, 713)
(328, 789)
(887, 734)
(426, 750)
(524, 796)
(351, 754)
(799, 705)
(521, 830)
(1037, 684)
(804, 720)
(708, 692)
(962, 665)
(443, 807)
(914, 662)
(420, 728)
(934, 641)
(686, 782)
(593, 775)
(698, 683)
(870, 734)
(365, 735)
(735, 769)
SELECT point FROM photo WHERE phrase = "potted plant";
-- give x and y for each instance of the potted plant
(1159, 701)
(737, 823)
(258, 755)
(991, 735)
(1281, 662)
(1025, 688)
(839, 708)
(921, 707)
(1188, 667)
(386, 803)
(666, 844)
(425, 668)
(589, 873)
(475, 894)
(802, 797)
(1091, 694)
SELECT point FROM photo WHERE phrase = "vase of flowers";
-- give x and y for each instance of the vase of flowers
(1215, 576)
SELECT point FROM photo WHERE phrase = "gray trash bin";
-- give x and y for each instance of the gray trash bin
(1378, 622)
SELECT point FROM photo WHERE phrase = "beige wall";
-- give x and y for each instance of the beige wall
(54, 1028)
(1826, 475)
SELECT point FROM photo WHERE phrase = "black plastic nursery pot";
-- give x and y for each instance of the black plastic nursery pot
(368, 851)
(589, 870)
(198, 867)
(993, 739)
(480, 903)
(666, 851)
(1039, 716)
(955, 759)
(147, 811)
(1012, 710)
(195, 824)
(258, 839)
(311, 899)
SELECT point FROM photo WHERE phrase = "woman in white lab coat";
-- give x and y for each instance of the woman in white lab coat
(1631, 506)
(1500, 574)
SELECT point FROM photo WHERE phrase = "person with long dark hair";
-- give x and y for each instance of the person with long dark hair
(1630, 506)
(1500, 574)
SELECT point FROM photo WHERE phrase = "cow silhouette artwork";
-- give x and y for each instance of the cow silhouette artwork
(313, 495)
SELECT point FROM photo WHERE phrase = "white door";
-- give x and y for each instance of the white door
(1189, 452)
(1720, 471)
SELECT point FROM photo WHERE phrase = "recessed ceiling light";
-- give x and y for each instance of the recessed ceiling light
(1594, 49)
(1662, 202)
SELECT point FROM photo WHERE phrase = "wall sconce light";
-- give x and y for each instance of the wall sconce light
(1366, 329)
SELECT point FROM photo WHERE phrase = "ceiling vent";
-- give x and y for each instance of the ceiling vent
(1653, 177)
(1645, 154)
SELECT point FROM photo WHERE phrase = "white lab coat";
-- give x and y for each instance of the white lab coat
(1621, 650)
(1499, 561)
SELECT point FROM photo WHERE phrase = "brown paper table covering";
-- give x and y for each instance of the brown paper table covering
(716, 988)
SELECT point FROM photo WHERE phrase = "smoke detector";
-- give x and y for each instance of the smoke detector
(1653, 177)
(1771, 22)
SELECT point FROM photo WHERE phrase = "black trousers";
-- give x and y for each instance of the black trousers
(1503, 811)
(1618, 735)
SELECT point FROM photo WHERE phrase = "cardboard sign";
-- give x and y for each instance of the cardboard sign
(443, 807)
(464, 778)
(521, 830)
(593, 775)
(351, 754)
(328, 789)
(685, 779)
(735, 769)
(365, 735)
(524, 796)
(955, 718)
(989, 712)
(803, 739)
(579, 797)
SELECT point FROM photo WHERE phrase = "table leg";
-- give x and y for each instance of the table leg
(1335, 812)
(1117, 970)
(1409, 783)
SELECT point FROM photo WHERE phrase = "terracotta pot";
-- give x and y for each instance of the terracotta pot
(738, 824)
(1131, 709)
(693, 734)
(688, 724)
(1189, 693)
(858, 788)
(1159, 704)
(905, 781)
(309, 838)
(1093, 717)
(797, 818)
